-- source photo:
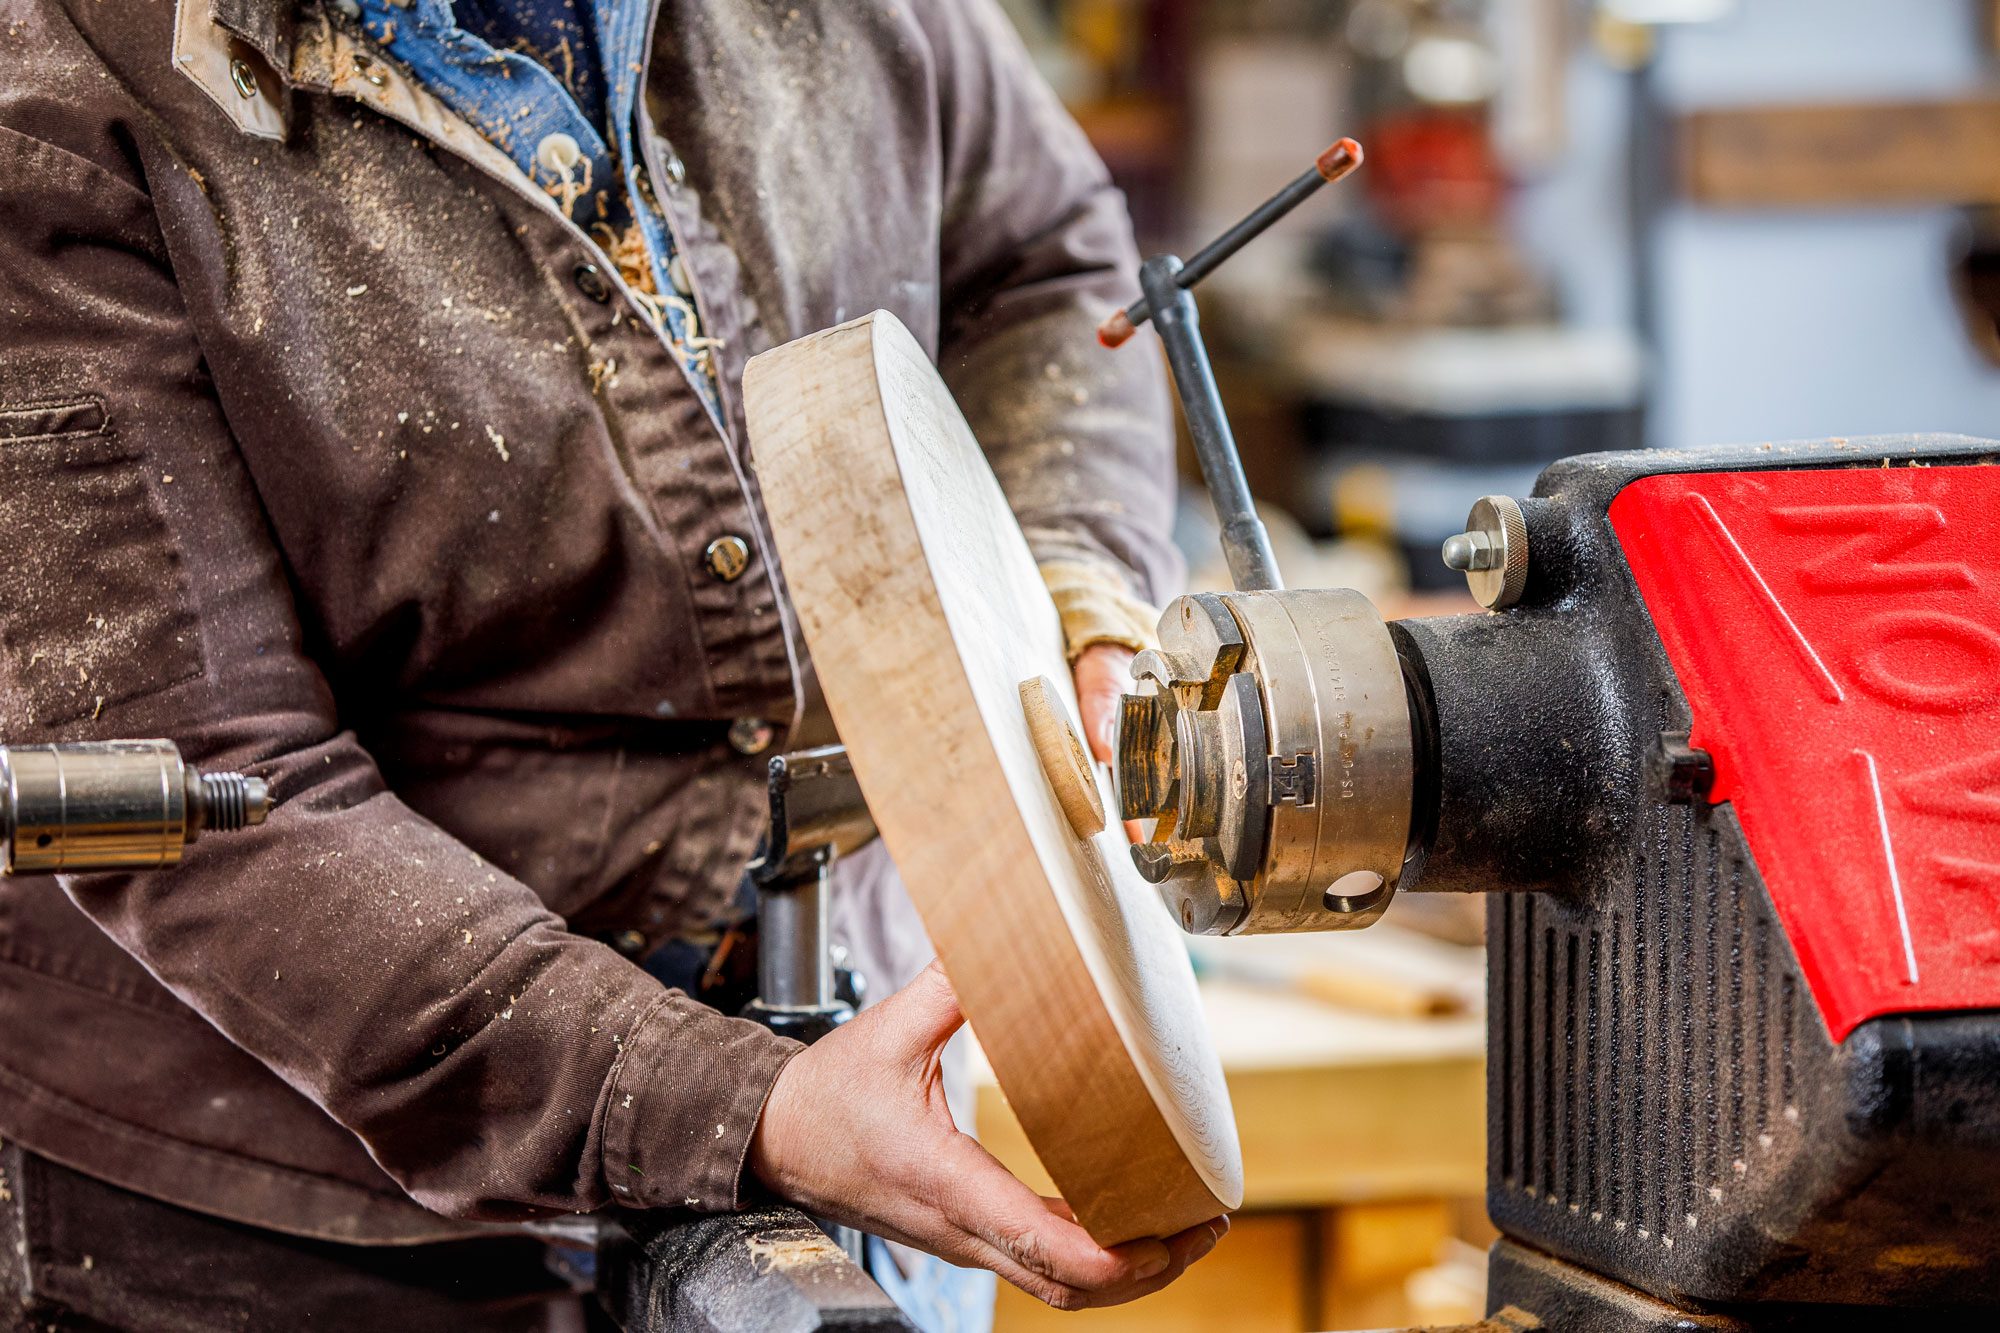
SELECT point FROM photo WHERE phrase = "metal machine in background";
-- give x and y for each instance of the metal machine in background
(1717, 754)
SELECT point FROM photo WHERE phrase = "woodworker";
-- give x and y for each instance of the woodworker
(369, 420)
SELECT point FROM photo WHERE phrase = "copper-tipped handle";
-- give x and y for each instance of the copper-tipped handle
(1338, 161)
(1119, 326)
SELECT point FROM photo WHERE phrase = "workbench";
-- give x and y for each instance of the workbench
(1364, 1152)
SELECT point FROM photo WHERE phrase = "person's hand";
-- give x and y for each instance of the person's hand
(856, 1130)
(1103, 672)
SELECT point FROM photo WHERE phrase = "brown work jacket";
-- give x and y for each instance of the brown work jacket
(330, 449)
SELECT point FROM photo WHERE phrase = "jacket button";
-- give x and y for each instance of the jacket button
(558, 153)
(590, 280)
(751, 735)
(727, 557)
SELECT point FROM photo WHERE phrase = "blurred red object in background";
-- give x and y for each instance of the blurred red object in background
(1433, 170)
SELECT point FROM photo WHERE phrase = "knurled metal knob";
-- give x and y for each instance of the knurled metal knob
(1492, 552)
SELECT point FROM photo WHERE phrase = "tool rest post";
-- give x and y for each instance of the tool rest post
(1245, 544)
(794, 968)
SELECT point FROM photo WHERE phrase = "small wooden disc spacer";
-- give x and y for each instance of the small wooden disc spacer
(1064, 760)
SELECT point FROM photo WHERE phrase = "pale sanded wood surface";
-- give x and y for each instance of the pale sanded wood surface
(924, 612)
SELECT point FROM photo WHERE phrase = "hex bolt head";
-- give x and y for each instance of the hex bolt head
(1469, 551)
(1686, 774)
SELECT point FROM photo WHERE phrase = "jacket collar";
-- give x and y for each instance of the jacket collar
(239, 52)
(267, 25)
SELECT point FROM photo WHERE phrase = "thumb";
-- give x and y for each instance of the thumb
(923, 1015)
(1103, 674)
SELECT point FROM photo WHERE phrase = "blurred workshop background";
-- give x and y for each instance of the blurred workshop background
(1583, 225)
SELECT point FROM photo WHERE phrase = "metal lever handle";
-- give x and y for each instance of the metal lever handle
(1330, 166)
(1165, 282)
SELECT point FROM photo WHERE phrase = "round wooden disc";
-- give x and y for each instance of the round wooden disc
(924, 612)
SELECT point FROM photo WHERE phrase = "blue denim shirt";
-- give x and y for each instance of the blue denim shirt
(555, 84)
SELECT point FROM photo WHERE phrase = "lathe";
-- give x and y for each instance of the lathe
(1723, 752)
(1724, 760)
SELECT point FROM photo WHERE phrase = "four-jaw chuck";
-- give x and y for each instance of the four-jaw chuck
(1273, 743)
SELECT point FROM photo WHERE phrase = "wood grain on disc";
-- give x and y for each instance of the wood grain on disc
(924, 613)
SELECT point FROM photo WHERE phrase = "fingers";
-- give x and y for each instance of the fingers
(1048, 1290)
(1103, 672)
(1193, 1245)
(1146, 1258)
(1187, 1248)
(922, 1016)
(984, 1200)
(994, 1221)
(904, 1172)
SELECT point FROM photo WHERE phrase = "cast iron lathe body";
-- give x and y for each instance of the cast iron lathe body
(1675, 1140)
